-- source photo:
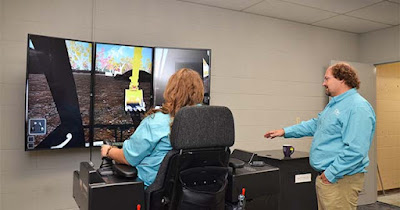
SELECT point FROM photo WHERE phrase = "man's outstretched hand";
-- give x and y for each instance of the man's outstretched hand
(275, 133)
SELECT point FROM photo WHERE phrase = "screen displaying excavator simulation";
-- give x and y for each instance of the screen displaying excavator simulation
(122, 90)
(58, 84)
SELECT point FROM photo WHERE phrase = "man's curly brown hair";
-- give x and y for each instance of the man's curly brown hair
(343, 71)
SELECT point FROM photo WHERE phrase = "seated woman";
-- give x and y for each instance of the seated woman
(148, 145)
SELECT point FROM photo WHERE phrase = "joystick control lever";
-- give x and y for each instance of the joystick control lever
(105, 168)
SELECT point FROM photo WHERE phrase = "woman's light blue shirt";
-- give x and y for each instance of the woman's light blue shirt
(148, 145)
(342, 132)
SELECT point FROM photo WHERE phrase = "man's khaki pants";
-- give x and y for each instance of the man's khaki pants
(342, 195)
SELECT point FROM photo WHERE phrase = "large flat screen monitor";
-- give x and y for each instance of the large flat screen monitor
(58, 86)
(78, 92)
(122, 90)
(169, 60)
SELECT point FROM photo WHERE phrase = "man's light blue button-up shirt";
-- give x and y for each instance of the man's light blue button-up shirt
(343, 134)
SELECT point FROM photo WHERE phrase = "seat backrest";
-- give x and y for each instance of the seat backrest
(200, 136)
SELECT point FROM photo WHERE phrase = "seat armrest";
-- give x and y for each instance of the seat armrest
(236, 163)
(125, 170)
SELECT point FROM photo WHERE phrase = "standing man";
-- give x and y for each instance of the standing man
(343, 133)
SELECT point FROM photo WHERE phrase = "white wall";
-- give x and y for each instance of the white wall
(268, 71)
(381, 46)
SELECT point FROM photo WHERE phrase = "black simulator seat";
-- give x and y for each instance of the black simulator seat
(194, 173)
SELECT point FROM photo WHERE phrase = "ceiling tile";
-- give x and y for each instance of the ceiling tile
(289, 11)
(395, 1)
(384, 12)
(350, 24)
(338, 6)
(227, 4)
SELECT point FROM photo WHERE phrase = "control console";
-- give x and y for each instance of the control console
(91, 190)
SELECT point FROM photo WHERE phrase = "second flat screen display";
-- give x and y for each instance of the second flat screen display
(122, 87)
(167, 61)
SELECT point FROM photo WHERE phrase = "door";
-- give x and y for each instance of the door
(388, 132)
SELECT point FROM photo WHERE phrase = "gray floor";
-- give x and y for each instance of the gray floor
(389, 201)
(378, 206)
(390, 197)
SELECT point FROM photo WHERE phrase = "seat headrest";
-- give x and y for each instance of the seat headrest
(202, 127)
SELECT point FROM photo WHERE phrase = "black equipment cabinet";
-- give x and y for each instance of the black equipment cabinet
(261, 184)
(297, 179)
